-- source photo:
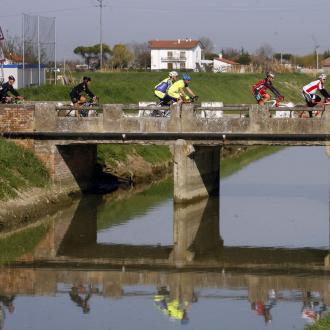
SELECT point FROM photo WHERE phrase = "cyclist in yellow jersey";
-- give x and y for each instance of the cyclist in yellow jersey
(179, 91)
(163, 86)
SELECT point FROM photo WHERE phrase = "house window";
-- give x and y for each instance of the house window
(170, 66)
(182, 65)
(182, 55)
(169, 54)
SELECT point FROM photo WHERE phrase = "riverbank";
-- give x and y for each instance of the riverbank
(132, 87)
(323, 324)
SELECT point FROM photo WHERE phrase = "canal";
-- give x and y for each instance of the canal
(255, 258)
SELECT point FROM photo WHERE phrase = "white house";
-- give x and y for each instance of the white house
(221, 64)
(177, 54)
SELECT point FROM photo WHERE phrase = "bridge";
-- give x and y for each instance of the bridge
(68, 145)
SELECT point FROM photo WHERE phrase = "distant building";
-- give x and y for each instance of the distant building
(180, 54)
(326, 65)
(221, 64)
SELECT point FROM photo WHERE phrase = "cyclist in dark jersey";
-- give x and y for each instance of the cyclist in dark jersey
(259, 90)
(9, 88)
(76, 93)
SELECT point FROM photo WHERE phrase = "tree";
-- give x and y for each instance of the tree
(244, 57)
(264, 55)
(93, 52)
(207, 44)
(208, 48)
(326, 54)
(142, 56)
(121, 56)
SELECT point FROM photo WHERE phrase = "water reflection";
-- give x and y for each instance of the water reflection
(196, 278)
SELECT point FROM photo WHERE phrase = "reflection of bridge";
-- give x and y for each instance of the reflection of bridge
(197, 244)
(197, 255)
(68, 145)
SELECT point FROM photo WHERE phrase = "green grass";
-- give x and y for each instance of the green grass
(18, 244)
(19, 169)
(113, 153)
(323, 324)
(131, 87)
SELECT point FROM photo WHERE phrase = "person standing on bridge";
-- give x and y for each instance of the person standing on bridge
(6, 88)
(310, 90)
(163, 86)
(259, 90)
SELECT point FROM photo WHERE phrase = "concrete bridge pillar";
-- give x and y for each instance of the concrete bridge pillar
(196, 171)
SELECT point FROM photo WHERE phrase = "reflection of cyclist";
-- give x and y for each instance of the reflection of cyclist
(163, 86)
(8, 302)
(313, 307)
(263, 309)
(171, 307)
(259, 90)
(76, 295)
(180, 90)
(2, 318)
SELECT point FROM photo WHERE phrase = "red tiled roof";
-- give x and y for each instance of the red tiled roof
(174, 44)
(226, 61)
(326, 62)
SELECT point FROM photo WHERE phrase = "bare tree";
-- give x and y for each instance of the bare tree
(142, 56)
(207, 44)
(264, 56)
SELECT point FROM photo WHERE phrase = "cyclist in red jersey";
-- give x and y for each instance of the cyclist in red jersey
(259, 90)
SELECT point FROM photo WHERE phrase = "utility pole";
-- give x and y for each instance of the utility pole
(100, 4)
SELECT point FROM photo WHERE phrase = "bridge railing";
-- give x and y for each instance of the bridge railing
(207, 110)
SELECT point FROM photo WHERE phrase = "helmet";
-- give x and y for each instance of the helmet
(186, 76)
(11, 78)
(270, 74)
(173, 74)
(322, 76)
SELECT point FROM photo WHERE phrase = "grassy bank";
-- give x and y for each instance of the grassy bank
(323, 324)
(20, 243)
(113, 153)
(131, 87)
(19, 170)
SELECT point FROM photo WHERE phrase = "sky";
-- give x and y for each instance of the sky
(289, 26)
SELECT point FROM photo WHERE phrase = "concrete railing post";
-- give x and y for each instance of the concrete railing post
(196, 171)
(112, 114)
(45, 117)
(258, 115)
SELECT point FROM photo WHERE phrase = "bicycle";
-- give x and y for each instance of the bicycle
(166, 112)
(82, 110)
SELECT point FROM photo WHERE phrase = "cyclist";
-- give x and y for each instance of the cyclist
(6, 88)
(75, 94)
(310, 90)
(259, 90)
(178, 92)
(163, 86)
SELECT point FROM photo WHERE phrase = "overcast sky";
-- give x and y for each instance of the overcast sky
(289, 26)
